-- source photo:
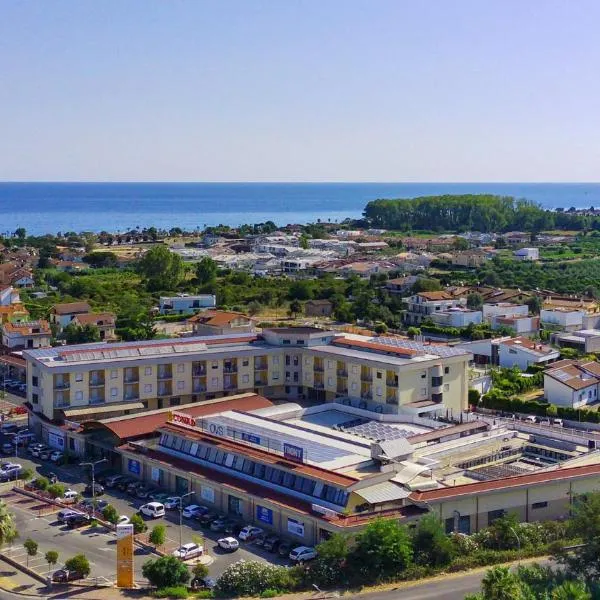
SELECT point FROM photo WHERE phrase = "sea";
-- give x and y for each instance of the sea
(116, 207)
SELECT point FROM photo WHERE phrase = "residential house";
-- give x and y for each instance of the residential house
(572, 383)
(458, 316)
(318, 308)
(400, 285)
(527, 254)
(62, 314)
(105, 322)
(503, 309)
(26, 334)
(521, 325)
(565, 319)
(470, 258)
(583, 340)
(183, 304)
(523, 352)
(17, 275)
(11, 307)
(424, 304)
(221, 322)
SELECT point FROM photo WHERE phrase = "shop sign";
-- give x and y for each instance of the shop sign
(294, 453)
(134, 466)
(207, 493)
(250, 437)
(295, 527)
(183, 419)
(265, 515)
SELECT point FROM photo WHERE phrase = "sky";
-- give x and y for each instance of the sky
(299, 90)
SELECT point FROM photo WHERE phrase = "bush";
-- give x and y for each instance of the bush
(474, 397)
(79, 563)
(178, 591)
(110, 514)
(270, 593)
(41, 483)
(166, 572)
(138, 524)
(56, 490)
(204, 594)
(158, 535)
(253, 578)
(26, 474)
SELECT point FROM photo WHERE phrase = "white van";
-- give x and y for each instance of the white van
(153, 509)
(530, 419)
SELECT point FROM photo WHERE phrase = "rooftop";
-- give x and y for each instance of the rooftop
(529, 346)
(71, 307)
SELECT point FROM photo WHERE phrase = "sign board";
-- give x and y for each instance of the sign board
(125, 556)
(182, 419)
(207, 493)
(295, 527)
(133, 466)
(155, 474)
(56, 440)
(250, 437)
(265, 515)
(294, 453)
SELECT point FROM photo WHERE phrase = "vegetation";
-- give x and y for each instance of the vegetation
(139, 526)
(31, 546)
(56, 490)
(165, 572)
(158, 535)
(161, 268)
(51, 557)
(81, 334)
(8, 530)
(79, 563)
(110, 514)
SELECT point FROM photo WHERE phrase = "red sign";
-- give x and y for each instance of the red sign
(183, 419)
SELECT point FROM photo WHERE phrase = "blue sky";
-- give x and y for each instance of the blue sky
(291, 90)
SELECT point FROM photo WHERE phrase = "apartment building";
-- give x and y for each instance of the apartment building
(424, 304)
(385, 375)
(183, 304)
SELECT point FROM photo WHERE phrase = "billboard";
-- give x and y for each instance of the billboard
(133, 466)
(264, 515)
(295, 527)
(294, 453)
(125, 556)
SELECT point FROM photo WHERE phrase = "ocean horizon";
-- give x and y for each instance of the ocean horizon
(51, 207)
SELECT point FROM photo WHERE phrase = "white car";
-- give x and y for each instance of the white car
(172, 502)
(69, 497)
(56, 456)
(153, 509)
(123, 520)
(192, 510)
(187, 551)
(248, 533)
(228, 543)
(302, 553)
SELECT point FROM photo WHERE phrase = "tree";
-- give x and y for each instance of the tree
(79, 564)
(166, 571)
(552, 411)
(162, 269)
(200, 571)
(535, 305)
(460, 243)
(382, 550)
(295, 308)
(110, 514)
(81, 334)
(138, 524)
(571, 590)
(101, 259)
(474, 301)
(300, 290)
(56, 490)
(329, 567)
(31, 546)
(413, 331)
(474, 396)
(206, 270)
(51, 557)
(8, 530)
(424, 284)
(304, 241)
(20, 233)
(158, 535)
(431, 545)
(500, 584)
(254, 308)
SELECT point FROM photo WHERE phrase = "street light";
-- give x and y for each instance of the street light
(93, 466)
(17, 437)
(180, 498)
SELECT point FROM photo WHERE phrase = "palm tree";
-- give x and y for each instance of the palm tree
(8, 530)
(500, 584)
(571, 590)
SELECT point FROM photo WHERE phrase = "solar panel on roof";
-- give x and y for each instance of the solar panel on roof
(197, 347)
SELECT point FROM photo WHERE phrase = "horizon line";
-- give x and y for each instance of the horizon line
(276, 182)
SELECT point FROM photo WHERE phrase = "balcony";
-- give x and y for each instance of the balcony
(199, 371)
(164, 390)
(62, 404)
(229, 386)
(319, 368)
(230, 369)
(260, 382)
(260, 366)
(132, 378)
(342, 373)
(96, 382)
(199, 388)
(392, 383)
(162, 375)
(97, 400)
(391, 399)
(342, 390)
(366, 376)
(62, 385)
(319, 385)
(133, 396)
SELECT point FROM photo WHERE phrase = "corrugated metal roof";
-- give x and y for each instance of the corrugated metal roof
(105, 408)
(383, 492)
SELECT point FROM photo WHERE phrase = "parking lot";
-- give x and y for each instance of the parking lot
(37, 520)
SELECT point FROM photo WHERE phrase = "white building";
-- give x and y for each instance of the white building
(503, 309)
(26, 334)
(527, 254)
(520, 324)
(457, 316)
(573, 384)
(563, 318)
(523, 352)
(182, 304)
(423, 305)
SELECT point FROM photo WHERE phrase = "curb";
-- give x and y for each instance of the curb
(25, 569)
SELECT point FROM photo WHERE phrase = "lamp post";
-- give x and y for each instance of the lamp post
(93, 466)
(16, 439)
(180, 498)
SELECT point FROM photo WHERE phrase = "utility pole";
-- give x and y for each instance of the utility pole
(181, 515)
(93, 466)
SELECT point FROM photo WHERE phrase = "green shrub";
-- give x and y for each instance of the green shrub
(270, 593)
(204, 594)
(172, 592)
(251, 578)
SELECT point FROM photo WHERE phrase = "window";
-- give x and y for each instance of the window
(539, 505)
(147, 388)
(288, 359)
(275, 375)
(245, 362)
(113, 392)
(180, 385)
(423, 375)
(446, 387)
(34, 381)
(276, 360)
(379, 375)
(300, 342)
(436, 381)
(330, 364)
(379, 391)
(78, 376)
(307, 360)
(181, 368)
(35, 398)
(494, 515)
(214, 381)
(245, 378)
(446, 370)
(286, 342)
(214, 365)
(330, 381)
(353, 386)
(79, 396)
(512, 351)
(355, 368)
(423, 391)
(148, 371)
(113, 374)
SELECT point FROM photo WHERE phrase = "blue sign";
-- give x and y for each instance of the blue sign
(265, 515)
(134, 466)
(294, 453)
(250, 437)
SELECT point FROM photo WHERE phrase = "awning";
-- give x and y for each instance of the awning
(383, 492)
(104, 408)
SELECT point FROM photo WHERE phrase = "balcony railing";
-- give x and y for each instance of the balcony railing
(392, 383)
(319, 368)
(164, 391)
(260, 382)
(366, 377)
(96, 382)
(62, 385)
(391, 400)
(165, 375)
(97, 400)
(199, 388)
(132, 378)
(342, 391)
(260, 366)
(132, 396)
(342, 373)
(230, 369)
(62, 404)
(319, 386)
(199, 371)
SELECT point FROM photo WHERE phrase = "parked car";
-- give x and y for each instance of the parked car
(172, 502)
(302, 554)
(69, 497)
(10, 471)
(158, 496)
(205, 519)
(284, 549)
(64, 576)
(65, 513)
(96, 490)
(154, 510)
(143, 491)
(88, 503)
(111, 481)
(557, 422)
(123, 520)
(187, 551)
(125, 482)
(194, 510)
(8, 428)
(34, 448)
(272, 543)
(8, 448)
(52, 477)
(44, 454)
(77, 520)
(133, 487)
(249, 533)
(220, 524)
(57, 456)
(38, 449)
(259, 540)
(230, 544)
(203, 583)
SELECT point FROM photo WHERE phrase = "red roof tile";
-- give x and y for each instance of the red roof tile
(386, 348)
